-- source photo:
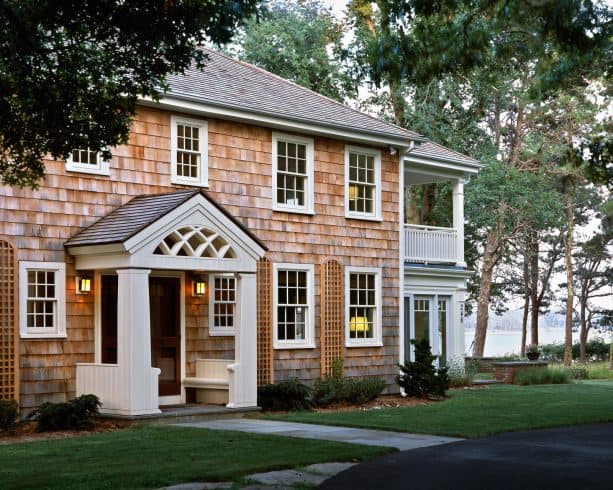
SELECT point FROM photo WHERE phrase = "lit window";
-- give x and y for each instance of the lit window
(363, 312)
(222, 291)
(292, 173)
(293, 286)
(363, 183)
(189, 143)
(87, 161)
(42, 299)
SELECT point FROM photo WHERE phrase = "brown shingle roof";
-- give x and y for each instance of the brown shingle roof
(229, 83)
(138, 213)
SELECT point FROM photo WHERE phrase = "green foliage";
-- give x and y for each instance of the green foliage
(301, 42)
(420, 377)
(285, 395)
(74, 414)
(590, 370)
(71, 72)
(461, 372)
(596, 349)
(578, 372)
(546, 376)
(9, 411)
(334, 388)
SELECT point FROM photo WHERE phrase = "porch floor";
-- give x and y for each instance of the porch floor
(185, 414)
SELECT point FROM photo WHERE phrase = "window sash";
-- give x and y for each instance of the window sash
(189, 146)
(362, 183)
(292, 173)
(362, 305)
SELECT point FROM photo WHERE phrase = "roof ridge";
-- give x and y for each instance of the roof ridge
(277, 77)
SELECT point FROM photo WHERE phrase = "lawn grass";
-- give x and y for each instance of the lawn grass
(153, 457)
(486, 410)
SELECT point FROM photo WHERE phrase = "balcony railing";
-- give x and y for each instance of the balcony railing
(430, 244)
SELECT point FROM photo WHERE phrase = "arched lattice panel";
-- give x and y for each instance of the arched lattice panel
(9, 385)
(195, 241)
(332, 338)
(264, 302)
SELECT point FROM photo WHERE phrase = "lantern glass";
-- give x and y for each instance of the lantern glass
(84, 285)
(198, 287)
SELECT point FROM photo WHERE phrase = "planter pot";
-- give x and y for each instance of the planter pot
(533, 356)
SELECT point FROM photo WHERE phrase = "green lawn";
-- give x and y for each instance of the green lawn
(152, 457)
(486, 410)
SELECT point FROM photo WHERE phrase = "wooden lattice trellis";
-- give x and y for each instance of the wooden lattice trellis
(264, 301)
(332, 337)
(9, 385)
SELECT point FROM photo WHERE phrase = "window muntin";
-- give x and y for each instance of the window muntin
(292, 173)
(189, 145)
(294, 301)
(87, 161)
(362, 183)
(222, 305)
(363, 307)
(42, 299)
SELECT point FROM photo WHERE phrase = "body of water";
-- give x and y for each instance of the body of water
(501, 342)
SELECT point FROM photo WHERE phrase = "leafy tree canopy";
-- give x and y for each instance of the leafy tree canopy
(299, 41)
(71, 71)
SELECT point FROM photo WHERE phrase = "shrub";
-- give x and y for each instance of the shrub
(9, 411)
(421, 378)
(578, 372)
(547, 376)
(599, 371)
(285, 395)
(596, 349)
(335, 388)
(74, 414)
(462, 372)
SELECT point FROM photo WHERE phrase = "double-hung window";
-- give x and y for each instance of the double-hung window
(87, 161)
(293, 306)
(42, 302)
(292, 173)
(189, 151)
(222, 304)
(362, 183)
(363, 306)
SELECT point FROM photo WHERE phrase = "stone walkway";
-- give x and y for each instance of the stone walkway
(368, 437)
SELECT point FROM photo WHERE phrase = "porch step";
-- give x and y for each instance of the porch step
(186, 414)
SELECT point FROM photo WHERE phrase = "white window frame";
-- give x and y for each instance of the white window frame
(101, 168)
(221, 331)
(309, 195)
(203, 171)
(60, 296)
(309, 333)
(376, 215)
(377, 338)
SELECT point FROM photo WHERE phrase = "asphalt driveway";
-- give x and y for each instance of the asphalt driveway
(574, 458)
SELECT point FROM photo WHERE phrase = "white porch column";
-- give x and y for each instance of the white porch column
(243, 373)
(458, 338)
(458, 220)
(139, 381)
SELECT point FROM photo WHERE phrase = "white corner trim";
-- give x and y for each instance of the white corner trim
(377, 340)
(59, 331)
(203, 170)
(309, 207)
(309, 341)
(377, 215)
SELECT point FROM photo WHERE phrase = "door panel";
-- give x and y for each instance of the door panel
(108, 319)
(164, 298)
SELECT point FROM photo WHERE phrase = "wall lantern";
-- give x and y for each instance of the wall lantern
(198, 286)
(84, 284)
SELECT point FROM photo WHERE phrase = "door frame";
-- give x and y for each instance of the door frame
(162, 400)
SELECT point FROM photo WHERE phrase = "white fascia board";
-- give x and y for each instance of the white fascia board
(208, 110)
(444, 165)
(434, 272)
(108, 248)
(212, 213)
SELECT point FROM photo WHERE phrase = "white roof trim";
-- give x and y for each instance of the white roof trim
(444, 165)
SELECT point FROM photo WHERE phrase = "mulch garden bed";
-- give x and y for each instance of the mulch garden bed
(26, 431)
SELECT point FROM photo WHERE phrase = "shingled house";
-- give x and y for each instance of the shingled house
(250, 231)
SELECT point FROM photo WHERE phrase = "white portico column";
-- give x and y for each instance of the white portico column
(458, 220)
(138, 380)
(243, 373)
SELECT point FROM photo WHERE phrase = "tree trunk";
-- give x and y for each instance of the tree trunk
(568, 263)
(533, 253)
(485, 286)
(519, 134)
(397, 102)
(583, 331)
(524, 320)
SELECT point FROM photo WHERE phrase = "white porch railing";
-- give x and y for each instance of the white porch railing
(430, 244)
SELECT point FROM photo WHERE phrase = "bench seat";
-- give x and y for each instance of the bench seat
(212, 381)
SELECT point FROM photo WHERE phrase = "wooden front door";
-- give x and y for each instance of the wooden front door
(164, 297)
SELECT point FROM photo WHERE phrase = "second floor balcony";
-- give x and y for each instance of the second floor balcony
(431, 245)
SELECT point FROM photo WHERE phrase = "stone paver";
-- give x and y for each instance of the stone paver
(367, 437)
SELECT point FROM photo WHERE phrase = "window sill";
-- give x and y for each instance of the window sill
(283, 346)
(104, 172)
(222, 333)
(42, 336)
(363, 217)
(308, 212)
(351, 345)
(192, 183)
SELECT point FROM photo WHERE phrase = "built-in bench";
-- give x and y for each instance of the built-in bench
(211, 383)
